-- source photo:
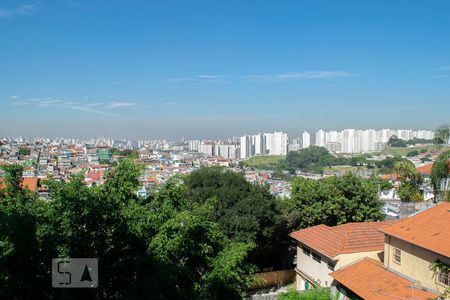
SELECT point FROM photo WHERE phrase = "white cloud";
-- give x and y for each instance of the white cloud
(94, 104)
(115, 104)
(72, 105)
(168, 103)
(210, 76)
(201, 79)
(89, 109)
(49, 102)
(21, 10)
(20, 103)
(299, 75)
(324, 74)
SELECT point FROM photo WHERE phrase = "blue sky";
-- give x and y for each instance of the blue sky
(149, 69)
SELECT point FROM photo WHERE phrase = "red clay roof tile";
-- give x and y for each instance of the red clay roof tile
(371, 281)
(346, 238)
(429, 229)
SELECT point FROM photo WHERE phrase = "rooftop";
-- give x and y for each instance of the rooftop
(429, 229)
(341, 239)
(370, 280)
(426, 169)
(30, 183)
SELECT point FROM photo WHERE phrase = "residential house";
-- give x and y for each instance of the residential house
(411, 246)
(414, 243)
(322, 249)
(369, 279)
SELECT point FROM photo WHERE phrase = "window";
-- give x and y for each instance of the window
(316, 257)
(306, 251)
(443, 278)
(331, 265)
(397, 256)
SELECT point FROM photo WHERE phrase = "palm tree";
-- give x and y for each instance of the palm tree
(442, 135)
(440, 176)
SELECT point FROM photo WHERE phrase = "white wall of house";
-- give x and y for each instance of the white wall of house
(310, 269)
(314, 269)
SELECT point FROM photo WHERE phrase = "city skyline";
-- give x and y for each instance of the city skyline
(298, 134)
(203, 69)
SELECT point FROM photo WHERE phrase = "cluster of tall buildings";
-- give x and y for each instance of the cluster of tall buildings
(226, 149)
(246, 146)
(278, 142)
(362, 141)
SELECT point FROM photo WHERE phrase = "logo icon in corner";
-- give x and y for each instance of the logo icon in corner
(75, 272)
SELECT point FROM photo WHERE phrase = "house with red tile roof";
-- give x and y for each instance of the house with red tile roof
(30, 183)
(411, 246)
(369, 279)
(322, 249)
(414, 243)
(425, 170)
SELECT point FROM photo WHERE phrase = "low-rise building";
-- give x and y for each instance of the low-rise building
(322, 249)
(416, 261)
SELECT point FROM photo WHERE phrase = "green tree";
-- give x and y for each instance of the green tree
(246, 213)
(312, 159)
(106, 222)
(440, 176)
(406, 171)
(197, 261)
(386, 165)
(412, 153)
(21, 274)
(331, 201)
(442, 135)
(314, 294)
(394, 141)
(24, 151)
(409, 192)
(162, 247)
(410, 180)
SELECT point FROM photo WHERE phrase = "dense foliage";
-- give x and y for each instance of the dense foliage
(246, 212)
(331, 201)
(387, 165)
(440, 174)
(164, 247)
(316, 159)
(24, 151)
(410, 180)
(442, 135)
(132, 154)
(412, 153)
(395, 141)
(200, 236)
(314, 294)
(309, 159)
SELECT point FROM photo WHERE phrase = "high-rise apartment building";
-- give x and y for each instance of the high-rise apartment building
(369, 140)
(306, 139)
(320, 138)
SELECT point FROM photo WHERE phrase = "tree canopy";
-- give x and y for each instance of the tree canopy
(312, 159)
(246, 212)
(442, 135)
(200, 236)
(440, 173)
(314, 294)
(410, 180)
(331, 201)
(161, 247)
